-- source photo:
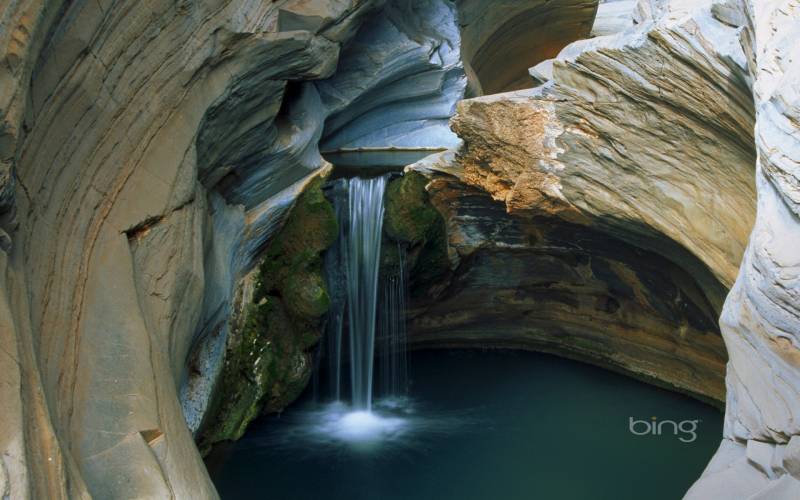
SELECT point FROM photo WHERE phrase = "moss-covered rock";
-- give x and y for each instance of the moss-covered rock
(409, 214)
(267, 364)
(310, 230)
(413, 221)
(305, 295)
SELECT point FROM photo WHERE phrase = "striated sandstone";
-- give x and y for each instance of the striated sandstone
(603, 215)
(761, 320)
(132, 237)
(150, 151)
(502, 39)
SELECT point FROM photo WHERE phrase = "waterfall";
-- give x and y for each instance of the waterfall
(370, 304)
(393, 329)
(363, 266)
(336, 278)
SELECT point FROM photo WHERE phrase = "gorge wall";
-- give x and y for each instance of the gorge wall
(151, 151)
(149, 154)
(136, 134)
(601, 214)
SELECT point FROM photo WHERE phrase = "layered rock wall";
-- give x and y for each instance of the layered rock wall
(760, 452)
(129, 127)
(603, 214)
(502, 39)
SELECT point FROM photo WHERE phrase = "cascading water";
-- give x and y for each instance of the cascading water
(363, 294)
(336, 278)
(393, 330)
(363, 267)
(367, 296)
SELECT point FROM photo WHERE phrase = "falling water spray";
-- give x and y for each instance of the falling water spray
(363, 267)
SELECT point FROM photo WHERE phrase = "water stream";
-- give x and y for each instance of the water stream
(366, 321)
(393, 335)
(363, 260)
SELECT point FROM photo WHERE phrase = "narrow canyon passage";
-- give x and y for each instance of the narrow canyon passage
(399, 248)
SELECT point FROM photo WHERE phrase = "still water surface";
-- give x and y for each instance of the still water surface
(480, 425)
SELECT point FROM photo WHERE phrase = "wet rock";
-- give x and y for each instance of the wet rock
(281, 304)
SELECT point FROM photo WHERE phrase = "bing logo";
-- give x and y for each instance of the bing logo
(685, 430)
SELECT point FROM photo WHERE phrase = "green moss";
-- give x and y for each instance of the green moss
(409, 214)
(267, 365)
(412, 220)
(305, 295)
(310, 229)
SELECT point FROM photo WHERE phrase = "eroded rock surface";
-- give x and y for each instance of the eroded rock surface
(761, 320)
(502, 39)
(580, 222)
(148, 153)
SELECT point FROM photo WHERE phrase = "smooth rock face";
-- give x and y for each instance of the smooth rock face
(575, 218)
(502, 39)
(613, 16)
(761, 318)
(396, 86)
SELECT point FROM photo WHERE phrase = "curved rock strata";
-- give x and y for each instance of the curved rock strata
(760, 452)
(150, 152)
(580, 223)
(502, 39)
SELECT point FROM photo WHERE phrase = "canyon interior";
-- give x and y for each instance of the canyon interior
(612, 181)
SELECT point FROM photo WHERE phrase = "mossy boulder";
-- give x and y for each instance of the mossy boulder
(410, 217)
(305, 295)
(310, 229)
(414, 222)
(267, 363)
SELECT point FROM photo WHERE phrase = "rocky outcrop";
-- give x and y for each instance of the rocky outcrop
(579, 224)
(760, 451)
(558, 286)
(282, 304)
(501, 40)
(149, 152)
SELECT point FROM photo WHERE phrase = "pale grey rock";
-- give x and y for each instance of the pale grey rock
(784, 488)
(729, 475)
(760, 455)
(791, 457)
(542, 72)
(761, 320)
(396, 87)
(613, 16)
